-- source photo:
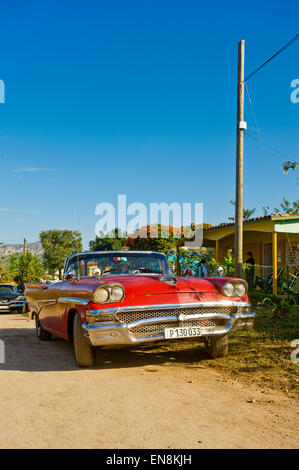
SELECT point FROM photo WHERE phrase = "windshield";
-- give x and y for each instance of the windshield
(7, 289)
(119, 263)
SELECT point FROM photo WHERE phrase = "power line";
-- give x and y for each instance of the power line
(258, 131)
(272, 57)
(268, 146)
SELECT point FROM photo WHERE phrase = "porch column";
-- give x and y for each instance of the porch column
(274, 262)
(217, 250)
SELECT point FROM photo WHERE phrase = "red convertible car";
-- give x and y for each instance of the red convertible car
(130, 297)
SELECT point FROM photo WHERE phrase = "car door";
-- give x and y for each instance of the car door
(49, 307)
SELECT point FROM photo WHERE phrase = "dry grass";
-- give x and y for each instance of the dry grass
(261, 355)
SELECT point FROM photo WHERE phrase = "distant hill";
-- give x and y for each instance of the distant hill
(34, 247)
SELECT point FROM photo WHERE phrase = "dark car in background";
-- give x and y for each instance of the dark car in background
(11, 299)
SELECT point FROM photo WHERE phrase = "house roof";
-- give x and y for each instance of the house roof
(255, 219)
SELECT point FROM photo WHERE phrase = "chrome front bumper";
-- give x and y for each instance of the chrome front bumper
(13, 305)
(99, 333)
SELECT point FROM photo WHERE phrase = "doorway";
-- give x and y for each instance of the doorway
(267, 260)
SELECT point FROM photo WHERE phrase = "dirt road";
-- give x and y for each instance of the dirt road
(142, 398)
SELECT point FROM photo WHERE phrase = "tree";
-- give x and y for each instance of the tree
(287, 207)
(58, 245)
(113, 241)
(5, 274)
(192, 259)
(229, 263)
(289, 166)
(155, 237)
(266, 210)
(247, 213)
(25, 267)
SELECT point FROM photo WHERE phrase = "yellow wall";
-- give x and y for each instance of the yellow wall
(255, 236)
(254, 242)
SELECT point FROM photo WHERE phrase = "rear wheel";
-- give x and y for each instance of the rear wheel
(42, 334)
(216, 346)
(85, 354)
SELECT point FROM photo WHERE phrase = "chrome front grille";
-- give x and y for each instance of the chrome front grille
(132, 316)
(158, 328)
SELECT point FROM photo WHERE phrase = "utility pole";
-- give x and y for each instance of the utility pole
(25, 245)
(241, 126)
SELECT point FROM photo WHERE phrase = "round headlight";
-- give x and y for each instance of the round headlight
(240, 289)
(228, 289)
(116, 294)
(101, 295)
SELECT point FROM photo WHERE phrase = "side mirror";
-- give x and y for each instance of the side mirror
(220, 270)
(97, 273)
(69, 276)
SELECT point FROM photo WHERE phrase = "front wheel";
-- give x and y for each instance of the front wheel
(216, 346)
(85, 354)
(42, 334)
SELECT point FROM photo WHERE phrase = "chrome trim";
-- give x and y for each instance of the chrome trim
(73, 300)
(130, 274)
(110, 333)
(167, 279)
(18, 304)
(243, 315)
(222, 303)
(170, 318)
(243, 321)
(220, 270)
(118, 334)
(12, 302)
(199, 316)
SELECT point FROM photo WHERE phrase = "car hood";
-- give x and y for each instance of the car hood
(140, 284)
(8, 296)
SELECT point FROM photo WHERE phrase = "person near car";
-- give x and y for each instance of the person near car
(202, 270)
(250, 270)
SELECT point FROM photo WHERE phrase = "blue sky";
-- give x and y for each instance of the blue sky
(139, 98)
